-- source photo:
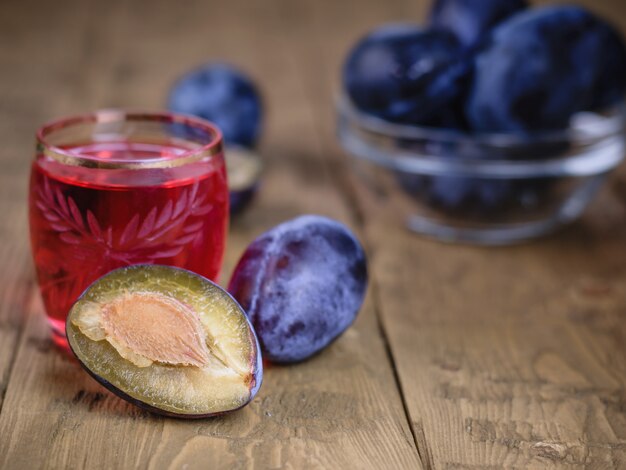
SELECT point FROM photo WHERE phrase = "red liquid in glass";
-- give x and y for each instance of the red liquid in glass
(87, 221)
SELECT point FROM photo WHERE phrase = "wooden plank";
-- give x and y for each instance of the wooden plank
(507, 358)
(28, 85)
(341, 409)
(524, 369)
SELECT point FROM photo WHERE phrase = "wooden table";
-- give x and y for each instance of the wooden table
(462, 357)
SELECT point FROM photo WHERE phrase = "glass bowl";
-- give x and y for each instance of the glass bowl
(484, 189)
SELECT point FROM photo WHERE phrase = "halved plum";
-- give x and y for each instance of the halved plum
(244, 173)
(167, 340)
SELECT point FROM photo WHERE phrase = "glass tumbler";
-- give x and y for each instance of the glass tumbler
(117, 188)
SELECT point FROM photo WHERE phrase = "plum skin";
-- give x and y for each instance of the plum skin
(158, 411)
(407, 74)
(541, 67)
(239, 200)
(302, 285)
(224, 95)
(257, 370)
(470, 20)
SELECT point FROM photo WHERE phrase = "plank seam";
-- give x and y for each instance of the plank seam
(347, 192)
(420, 442)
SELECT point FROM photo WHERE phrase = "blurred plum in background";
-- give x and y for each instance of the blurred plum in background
(471, 20)
(543, 66)
(227, 97)
(244, 174)
(479, 68)
(406, 74)
(532, 72)
(223, 95)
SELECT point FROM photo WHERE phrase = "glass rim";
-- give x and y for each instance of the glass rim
(67, 157)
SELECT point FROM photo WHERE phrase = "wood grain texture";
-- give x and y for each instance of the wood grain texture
(340, 409)
(29, 81)
(507, 358)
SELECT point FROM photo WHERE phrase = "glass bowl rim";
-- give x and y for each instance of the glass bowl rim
(211, 148)
(405, 160)
(371, 123)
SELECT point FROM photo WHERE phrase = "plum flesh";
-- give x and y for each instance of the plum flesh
(302, 284)
(244, 175)
(167, 340)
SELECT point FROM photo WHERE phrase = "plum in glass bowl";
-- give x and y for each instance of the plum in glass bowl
(492, 142)
(489, 188)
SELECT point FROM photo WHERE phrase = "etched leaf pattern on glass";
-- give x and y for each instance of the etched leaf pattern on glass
(162, 233)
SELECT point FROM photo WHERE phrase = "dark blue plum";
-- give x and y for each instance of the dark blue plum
(223, 95)
(478, 196)
(457, 192)
(239, 200)
(472, 20)
(609, 82)
(406, 74)
(302, 284)
(541, 67)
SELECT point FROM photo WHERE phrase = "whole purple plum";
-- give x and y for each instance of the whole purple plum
(301, 284)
